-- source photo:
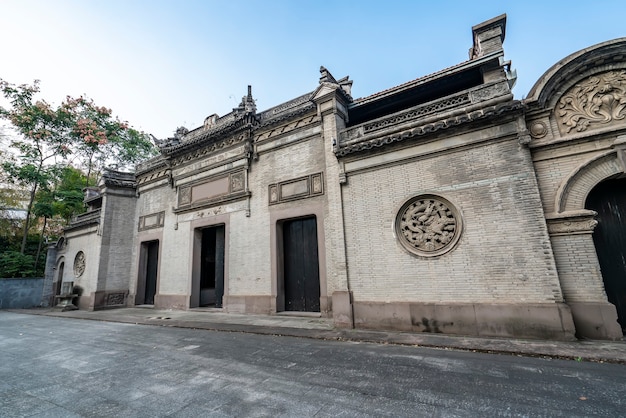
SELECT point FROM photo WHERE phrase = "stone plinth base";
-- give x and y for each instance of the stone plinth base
(103, 299)
(248, 304)
(596, 320)
(342, 309)
(551, 321)
(162, 301)
(64, 303)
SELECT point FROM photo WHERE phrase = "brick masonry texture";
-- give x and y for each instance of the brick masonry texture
(504, 254)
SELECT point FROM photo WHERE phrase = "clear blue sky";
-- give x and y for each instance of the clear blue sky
(162, 64)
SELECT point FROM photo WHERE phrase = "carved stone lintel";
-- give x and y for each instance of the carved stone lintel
(298, 188)
(151, 221)
(572, 225)
(595, 101)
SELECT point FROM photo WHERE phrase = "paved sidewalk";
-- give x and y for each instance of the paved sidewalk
(322, 328)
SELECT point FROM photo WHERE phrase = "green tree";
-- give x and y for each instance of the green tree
(43, 208)
(16, 264)
(68, 194)
(40, 146)
(49, 136)
(103, 140)
(10, 202)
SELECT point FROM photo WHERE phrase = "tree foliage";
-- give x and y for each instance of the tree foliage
(67, 197)
(16, 264)
(51, 138)
(99, 139)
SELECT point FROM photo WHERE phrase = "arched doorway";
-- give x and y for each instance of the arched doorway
(608, 198)
(57, 290)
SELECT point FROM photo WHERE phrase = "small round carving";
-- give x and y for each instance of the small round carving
(428, 225)
(538, 130)
(79, 264)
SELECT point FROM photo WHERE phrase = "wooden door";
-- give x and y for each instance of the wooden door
(301, 266)
(212, 267)
(152, 263)
(609, 200)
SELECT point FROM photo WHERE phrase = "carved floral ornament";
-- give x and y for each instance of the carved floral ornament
(428, 225)
(597, 100)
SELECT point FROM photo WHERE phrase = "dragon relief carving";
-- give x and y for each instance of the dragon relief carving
(428, 225)
(597, 100)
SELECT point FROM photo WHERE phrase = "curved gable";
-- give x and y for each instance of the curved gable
(603, 57)
(576, 115)
(583, 93)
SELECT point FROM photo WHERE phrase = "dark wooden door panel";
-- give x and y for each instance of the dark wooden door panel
(219, 265)
(212, 266)
(294, 286)
(311, 265)
(152, 264)
(609, 200)
(301, 271)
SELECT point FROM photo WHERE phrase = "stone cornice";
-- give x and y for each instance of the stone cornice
(286, 129)
(285, 110)
(300, 110)
(112, 178)
(152, 164)
(419, 111)
(464, 116)
(153, 176)
(223, 133)
(83, 220)
(201, 149)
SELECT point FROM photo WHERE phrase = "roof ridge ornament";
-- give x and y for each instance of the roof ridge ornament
(248, 104)
(326, 76)
(344, 83)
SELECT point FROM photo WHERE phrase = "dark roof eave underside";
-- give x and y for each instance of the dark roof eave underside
(416, 95)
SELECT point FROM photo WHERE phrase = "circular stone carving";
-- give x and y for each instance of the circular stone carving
(79, 264)
(538, 130)
(428, 225)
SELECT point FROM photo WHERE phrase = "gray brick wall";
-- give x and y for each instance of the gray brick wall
(579, 269)
(504, 254)
(117, 236)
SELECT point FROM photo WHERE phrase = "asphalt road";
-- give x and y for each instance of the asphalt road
(59, 367)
